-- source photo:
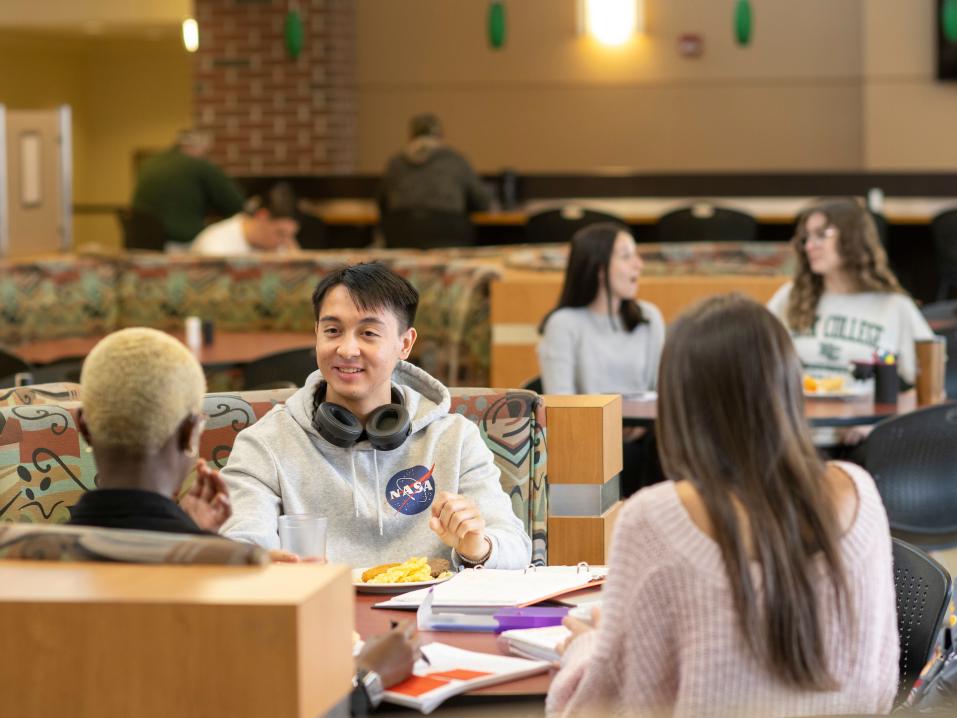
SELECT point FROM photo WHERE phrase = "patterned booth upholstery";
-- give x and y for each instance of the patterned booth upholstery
(45, 465)
(82, 296)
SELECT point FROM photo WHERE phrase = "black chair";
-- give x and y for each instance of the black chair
(559, 225)
(280, 370)
(946, 314)
(943, 229)
(923, 590)
(534, 384)
(426, 229)
(66, 369)
(913, 459)
(10, 366)
(312, 232)
(141, 230)
(705, 223)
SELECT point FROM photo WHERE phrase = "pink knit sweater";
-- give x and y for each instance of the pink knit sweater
(669, 643)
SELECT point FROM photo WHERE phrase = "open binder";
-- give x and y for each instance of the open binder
(484, 590)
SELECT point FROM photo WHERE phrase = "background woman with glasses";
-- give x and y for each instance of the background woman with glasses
(845, 303)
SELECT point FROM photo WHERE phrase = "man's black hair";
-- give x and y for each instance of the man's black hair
(372, 286)
(279, 201)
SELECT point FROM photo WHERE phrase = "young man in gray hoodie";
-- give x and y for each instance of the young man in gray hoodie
(369, 443)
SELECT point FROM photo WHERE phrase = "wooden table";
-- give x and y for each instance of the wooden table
(227, 349)
(372, 621)
(819, 412)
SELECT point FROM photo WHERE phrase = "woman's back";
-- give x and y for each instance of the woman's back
(670, 629)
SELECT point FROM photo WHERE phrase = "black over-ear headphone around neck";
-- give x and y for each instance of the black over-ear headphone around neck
(386, 428)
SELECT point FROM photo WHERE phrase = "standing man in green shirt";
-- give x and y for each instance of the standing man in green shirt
(180, 188)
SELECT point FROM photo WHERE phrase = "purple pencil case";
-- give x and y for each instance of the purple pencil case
(532, 617)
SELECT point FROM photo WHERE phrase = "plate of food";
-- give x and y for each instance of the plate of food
(835, 386)
(417, 572)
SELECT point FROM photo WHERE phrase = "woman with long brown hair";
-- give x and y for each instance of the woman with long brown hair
(845, 303)
(758, 580)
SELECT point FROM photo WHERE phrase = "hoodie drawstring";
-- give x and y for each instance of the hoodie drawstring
(355, 495)
(378, 500)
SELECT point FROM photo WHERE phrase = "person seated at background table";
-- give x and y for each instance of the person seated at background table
(845, 303)
(430, 175)
(264, 225)
(180, 187)
(758, 580)
(601, 340)
(369, 443)
(142, 394)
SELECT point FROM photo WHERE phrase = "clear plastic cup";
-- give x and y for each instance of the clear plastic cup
(303, 535)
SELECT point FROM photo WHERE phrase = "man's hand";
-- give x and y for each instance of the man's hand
(392, 654)
(207, 501)
(457, 521)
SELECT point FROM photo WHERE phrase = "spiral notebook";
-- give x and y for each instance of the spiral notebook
(452, 671)
(484, 590)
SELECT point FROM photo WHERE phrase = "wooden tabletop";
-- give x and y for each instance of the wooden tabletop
(227, 349)
(372, 621)
(819, 412)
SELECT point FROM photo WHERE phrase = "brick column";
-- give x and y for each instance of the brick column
(271, 114)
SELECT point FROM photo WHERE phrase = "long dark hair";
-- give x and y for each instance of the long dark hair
(862, 256)
(590, 255)
(731, 421)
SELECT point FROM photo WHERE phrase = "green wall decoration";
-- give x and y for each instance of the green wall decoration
(496, 24)
(948, 20)
(294, 33)
(743, 22)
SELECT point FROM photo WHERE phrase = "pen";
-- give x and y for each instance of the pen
(395, 624)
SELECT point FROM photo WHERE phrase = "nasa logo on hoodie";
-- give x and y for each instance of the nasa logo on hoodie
(411, 491)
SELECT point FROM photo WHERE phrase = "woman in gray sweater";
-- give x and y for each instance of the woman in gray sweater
(600, 339)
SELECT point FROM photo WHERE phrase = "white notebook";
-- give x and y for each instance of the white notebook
(454, 670)
(537, 643)
(486, 589)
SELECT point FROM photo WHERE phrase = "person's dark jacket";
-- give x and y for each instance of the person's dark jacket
(131, 509)
(430, 175)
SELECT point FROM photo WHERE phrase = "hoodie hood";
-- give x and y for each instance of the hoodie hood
(421, 149)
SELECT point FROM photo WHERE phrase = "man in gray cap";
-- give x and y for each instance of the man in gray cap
(430, 175)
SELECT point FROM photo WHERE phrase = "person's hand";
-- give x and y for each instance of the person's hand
(458, 522)
(632, 433)
(856, 434)
(578, 628)
(391, 654)
(207, 501)
(277, 555)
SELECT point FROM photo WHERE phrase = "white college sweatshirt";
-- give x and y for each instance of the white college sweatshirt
(377, 502)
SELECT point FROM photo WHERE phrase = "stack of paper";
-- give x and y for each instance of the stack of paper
(538, 643)
(486, 590)
(452, 671)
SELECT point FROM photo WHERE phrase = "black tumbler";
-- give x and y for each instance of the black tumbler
(207, 332)
(886, 383)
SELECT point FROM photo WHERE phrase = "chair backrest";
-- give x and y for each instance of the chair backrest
(946, 311)
(83, 543)
(62, 370)
(141, 230)
(55, 393)
(883, 229)
(923, 590)
(943, 229)
(706, 224)
(427, 229)
(289, 367)
(559, 225)
(10, 365)
(45, 467)
(913, 459)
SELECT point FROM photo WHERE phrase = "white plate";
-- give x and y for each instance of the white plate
(851, 390)
(363, 587)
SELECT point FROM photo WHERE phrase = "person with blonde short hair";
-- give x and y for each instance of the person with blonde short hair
(142, 394)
